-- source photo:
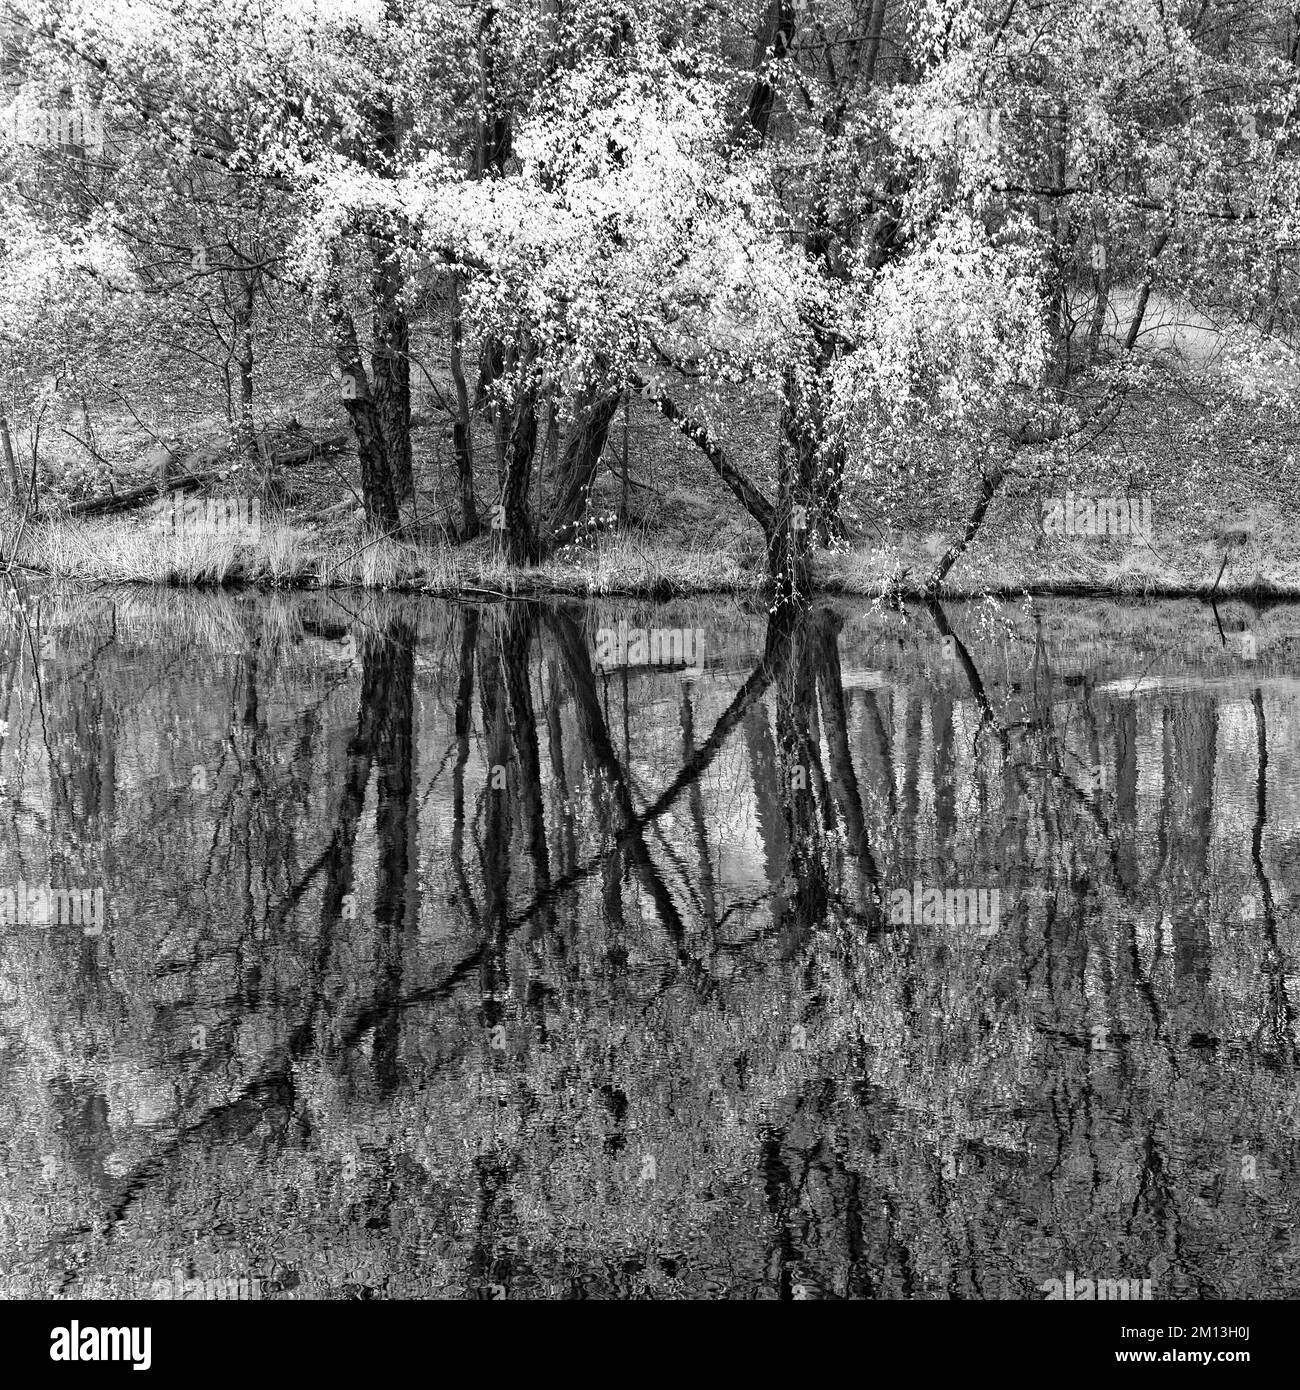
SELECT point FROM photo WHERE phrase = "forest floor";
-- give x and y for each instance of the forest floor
(1217, 477)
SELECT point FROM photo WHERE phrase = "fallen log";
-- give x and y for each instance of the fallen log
(187, 482)
(124, 501)
(319, 448)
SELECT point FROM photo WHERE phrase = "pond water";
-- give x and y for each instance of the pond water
(356, 946)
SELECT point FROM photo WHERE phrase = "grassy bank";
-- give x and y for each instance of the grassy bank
(1219, 475)
(1007, 559)
(115, 551)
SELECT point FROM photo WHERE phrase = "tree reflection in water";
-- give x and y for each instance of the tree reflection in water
(472, 967)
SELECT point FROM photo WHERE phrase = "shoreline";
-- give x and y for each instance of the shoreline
(285, 558)
(664, 589)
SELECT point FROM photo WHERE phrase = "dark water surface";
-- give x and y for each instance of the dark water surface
(433, 956)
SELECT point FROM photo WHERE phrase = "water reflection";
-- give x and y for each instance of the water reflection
(458, 951)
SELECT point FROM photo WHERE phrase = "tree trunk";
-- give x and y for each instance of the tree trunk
(798, 505)
(390, 363)
(582, 456)
(461, 431)
(744, 489)
(784, 526)
(771, 44)
(245, 431)
(1101, 286)
(1061, 230)
(11, 464)
(377, 493)
(390, 359)
(875, 27)
(512, 526)
(1144, 291)
(622, 505)
(494, 130)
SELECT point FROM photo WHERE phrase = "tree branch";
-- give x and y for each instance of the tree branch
(745, 490)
